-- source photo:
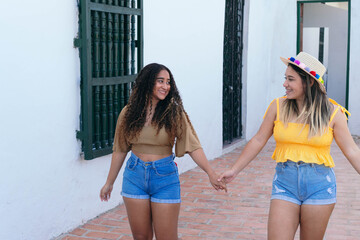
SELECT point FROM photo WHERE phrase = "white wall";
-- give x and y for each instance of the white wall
(311, 41)
(187, 36)
(46, 186)
(244, 72)
(271, 34)
(354, 75)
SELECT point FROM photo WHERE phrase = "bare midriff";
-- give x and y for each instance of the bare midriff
(149, 157)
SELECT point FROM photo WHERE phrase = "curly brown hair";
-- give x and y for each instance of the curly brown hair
(168, 112)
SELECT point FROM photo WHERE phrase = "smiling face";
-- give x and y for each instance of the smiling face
(162, 86)
(293, 85)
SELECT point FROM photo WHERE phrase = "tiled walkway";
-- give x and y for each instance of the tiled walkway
(242, 212)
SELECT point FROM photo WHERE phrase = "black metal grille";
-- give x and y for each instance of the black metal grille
(232, 69)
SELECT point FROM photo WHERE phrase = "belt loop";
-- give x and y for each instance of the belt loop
(136, 160)
(282, 165)
(134, 156)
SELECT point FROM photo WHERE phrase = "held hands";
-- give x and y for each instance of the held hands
(227, 176)
(218, 185)
(105, 192)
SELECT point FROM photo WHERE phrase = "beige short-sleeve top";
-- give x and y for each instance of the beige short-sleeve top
(151, 142)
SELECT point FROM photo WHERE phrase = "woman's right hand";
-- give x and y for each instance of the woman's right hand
(216, 184)
(117, 160)
(105, 192)
(227, 176)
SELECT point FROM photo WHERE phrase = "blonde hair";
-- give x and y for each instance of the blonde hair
(316, 110)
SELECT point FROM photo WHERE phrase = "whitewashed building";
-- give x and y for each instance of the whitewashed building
(47, 187)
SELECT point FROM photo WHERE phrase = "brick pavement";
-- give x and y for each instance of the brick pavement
(242, 212)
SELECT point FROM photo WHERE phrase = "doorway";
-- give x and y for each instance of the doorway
(323, 31)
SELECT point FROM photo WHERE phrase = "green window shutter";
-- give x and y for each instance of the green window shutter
(111, 54)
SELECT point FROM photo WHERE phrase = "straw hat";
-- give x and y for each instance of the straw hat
(310, 65)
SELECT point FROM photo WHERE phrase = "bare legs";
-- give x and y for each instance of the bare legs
(314, 220)
(147, 218)
(284, 218)
(165, 220)
(139, 214)
(144, 216)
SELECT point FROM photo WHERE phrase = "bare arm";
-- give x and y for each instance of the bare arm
(117, 161)
(254, 146)
(200, 159)
(345, 141)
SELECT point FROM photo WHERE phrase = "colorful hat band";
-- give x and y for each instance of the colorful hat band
(303, 66)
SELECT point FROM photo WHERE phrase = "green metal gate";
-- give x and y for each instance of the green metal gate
(111, 53)
(232, 70)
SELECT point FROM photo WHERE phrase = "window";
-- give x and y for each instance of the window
(111, 53)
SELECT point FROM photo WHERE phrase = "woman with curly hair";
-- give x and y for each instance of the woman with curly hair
(149, 125)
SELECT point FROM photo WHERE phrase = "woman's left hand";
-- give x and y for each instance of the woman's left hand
(218, 185)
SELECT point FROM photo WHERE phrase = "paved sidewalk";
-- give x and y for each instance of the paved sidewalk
(242, 212)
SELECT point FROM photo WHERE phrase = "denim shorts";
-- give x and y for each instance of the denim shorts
(157, 180)
(304, 183)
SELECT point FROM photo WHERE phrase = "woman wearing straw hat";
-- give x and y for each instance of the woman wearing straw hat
(148, 126)
(303, 123)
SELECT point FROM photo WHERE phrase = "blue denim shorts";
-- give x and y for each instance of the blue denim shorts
(304, 183)
(157, 180)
